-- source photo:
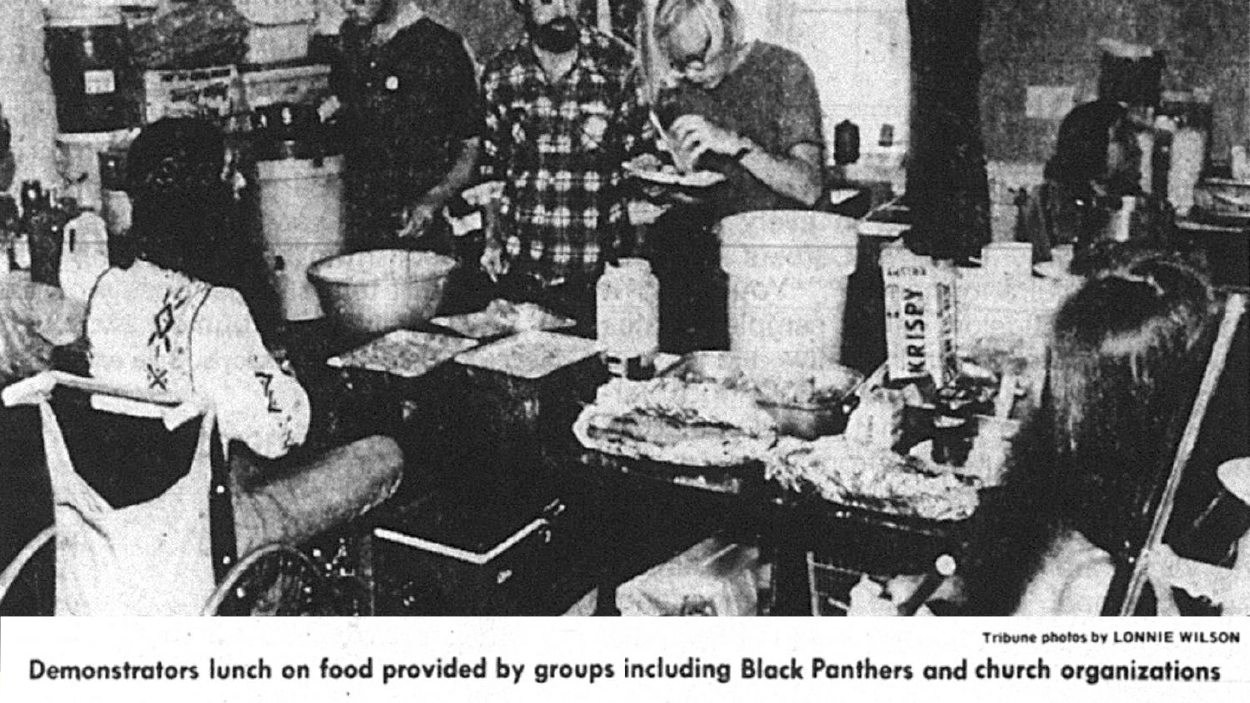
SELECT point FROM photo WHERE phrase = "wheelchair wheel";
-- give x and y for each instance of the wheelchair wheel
(273, 580)
(28, 583)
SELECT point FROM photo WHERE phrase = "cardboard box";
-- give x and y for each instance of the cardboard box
(306, 85)
(200, 92)
(920, 316)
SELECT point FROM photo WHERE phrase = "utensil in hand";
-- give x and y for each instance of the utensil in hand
(671, 145)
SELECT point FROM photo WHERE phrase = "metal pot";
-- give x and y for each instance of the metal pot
(372, 292)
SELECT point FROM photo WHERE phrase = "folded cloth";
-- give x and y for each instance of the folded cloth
(279, 502)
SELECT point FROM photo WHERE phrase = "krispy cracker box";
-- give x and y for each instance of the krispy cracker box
(919, 316)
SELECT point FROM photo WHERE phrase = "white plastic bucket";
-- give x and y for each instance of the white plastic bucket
(302, 218)
(788, 272)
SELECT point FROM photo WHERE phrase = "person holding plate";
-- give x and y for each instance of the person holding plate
(562, 116)
(409, 111)
(748, 110)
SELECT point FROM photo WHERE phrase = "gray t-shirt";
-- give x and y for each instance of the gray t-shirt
(770, 98)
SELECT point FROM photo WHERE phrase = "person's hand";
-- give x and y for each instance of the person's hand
(696, 136)
(871, 599)
(492, 261)
(644, 212)
(329, 108)
(418, 218)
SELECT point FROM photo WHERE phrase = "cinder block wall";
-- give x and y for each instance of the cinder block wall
(1055, 43)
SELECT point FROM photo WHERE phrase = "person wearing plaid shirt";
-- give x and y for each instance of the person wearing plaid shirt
(562, 115)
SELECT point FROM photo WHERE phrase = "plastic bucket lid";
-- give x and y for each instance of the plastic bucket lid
(797, 242)
(297, 169)
(789, 229)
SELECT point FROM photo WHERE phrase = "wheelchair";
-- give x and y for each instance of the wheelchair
(151, 473)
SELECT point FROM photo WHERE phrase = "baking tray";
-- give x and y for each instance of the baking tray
(804, 420)
(530, 355)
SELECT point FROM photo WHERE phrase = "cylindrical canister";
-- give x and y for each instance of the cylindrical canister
(627, 304)
(302, 222)
(79, 164)
(95, 87)
(788, 273)
(846, 142)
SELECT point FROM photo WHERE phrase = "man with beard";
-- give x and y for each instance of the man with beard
(562, 115)
(411, 119)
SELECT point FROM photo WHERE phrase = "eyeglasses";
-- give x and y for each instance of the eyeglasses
(695, 62)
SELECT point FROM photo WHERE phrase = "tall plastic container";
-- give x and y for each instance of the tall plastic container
(627, 314)
(96, 89)
(788, 272)
(79, 164)
(302, 222)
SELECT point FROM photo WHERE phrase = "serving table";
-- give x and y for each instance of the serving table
(482, 447)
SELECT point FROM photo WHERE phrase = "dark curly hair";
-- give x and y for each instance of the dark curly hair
(1084, 137)
(184, 216)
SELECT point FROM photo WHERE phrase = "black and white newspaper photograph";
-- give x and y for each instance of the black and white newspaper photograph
(491, 335)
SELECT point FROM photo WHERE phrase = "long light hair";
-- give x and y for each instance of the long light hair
(720, 19)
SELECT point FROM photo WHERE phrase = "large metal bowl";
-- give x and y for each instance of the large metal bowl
(372, 292)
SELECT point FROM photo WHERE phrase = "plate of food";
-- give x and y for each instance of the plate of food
(669, 175)
(501, 318)
(867, 476)
(670, 421)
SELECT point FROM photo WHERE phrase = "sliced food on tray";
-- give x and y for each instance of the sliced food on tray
(504, 317)
(403, 353)
(772, 385)
(531, 355)
(863, 475)
(674, 422)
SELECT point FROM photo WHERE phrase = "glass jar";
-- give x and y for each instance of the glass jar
(627, 302)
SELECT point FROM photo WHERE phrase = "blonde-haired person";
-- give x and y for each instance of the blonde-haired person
(745, 108)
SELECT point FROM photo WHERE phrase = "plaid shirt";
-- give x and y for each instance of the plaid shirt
(558, 147)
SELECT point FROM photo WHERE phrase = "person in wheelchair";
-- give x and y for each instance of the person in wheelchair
(172, 319)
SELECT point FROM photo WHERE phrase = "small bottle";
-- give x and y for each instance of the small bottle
(627, 301)
(33, 198)
(952, 428)
(846, 142)
(19, 252)
(1120, 228)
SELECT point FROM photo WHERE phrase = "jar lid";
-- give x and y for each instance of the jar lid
(635, 266)
(788, 229)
